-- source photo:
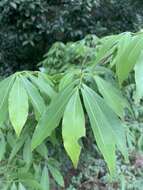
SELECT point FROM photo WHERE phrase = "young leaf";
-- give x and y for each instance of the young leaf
(73, 127)
(5, 87)
(18, 106)
(27, 152)
(35, 97)
(45, 179)
(112, 96)
(139, 77)
(56, 175)
(52, 116)
(101, 127)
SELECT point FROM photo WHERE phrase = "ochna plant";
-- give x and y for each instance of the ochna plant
(87, 94)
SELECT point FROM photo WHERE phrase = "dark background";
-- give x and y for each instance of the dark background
(29, 27)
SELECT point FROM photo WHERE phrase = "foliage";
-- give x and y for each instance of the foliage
(29, 27)
(71, 101)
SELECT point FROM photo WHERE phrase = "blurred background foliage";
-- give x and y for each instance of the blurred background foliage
(28, 28)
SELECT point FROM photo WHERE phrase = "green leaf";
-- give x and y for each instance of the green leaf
(21, 187)
(56, 175)
(5, 87)
(129, 50)
(42, 150)
(101, 127)
(35, 97)
(18, 106)
(28, 180)
(2, 146)
(112, 96)
(27, 152)
(52, 116)
(139, 77)
(107, 128)
(18, 144)
(13, 187)
(45, 179)
(66, 80)
(107, 47)
(43, 86)
(73, 127)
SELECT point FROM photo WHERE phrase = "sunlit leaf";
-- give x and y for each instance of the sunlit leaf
(18, 106)
(73, 127)
(52, 116)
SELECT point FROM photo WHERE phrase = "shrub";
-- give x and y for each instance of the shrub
(81, 97)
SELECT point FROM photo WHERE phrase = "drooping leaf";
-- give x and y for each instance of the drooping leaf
(101, 127)
(18, 106)
(5, 87)
(35, 97)
(52, 116)
(139, 77)
(45, 179)
(107, 119)
(112, 96)
(2, 146)
(56, 175)
(27, 152)
(73, 127)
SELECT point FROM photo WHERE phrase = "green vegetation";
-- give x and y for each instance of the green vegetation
(86, 97)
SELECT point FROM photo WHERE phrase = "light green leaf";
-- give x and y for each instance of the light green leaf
(18, 106)
(112, 96)
(13, 187)
(66, 80)
(129, 50)
(56, 175)
(21, 187)
(101, 127)
(35, 97)
(108, 45)
(5, 87)
(43, 86)
(73, 127)
(45, 179)
(107, 127)
(139, 77)
(2, 146)
(27, 152)
(52, 116)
